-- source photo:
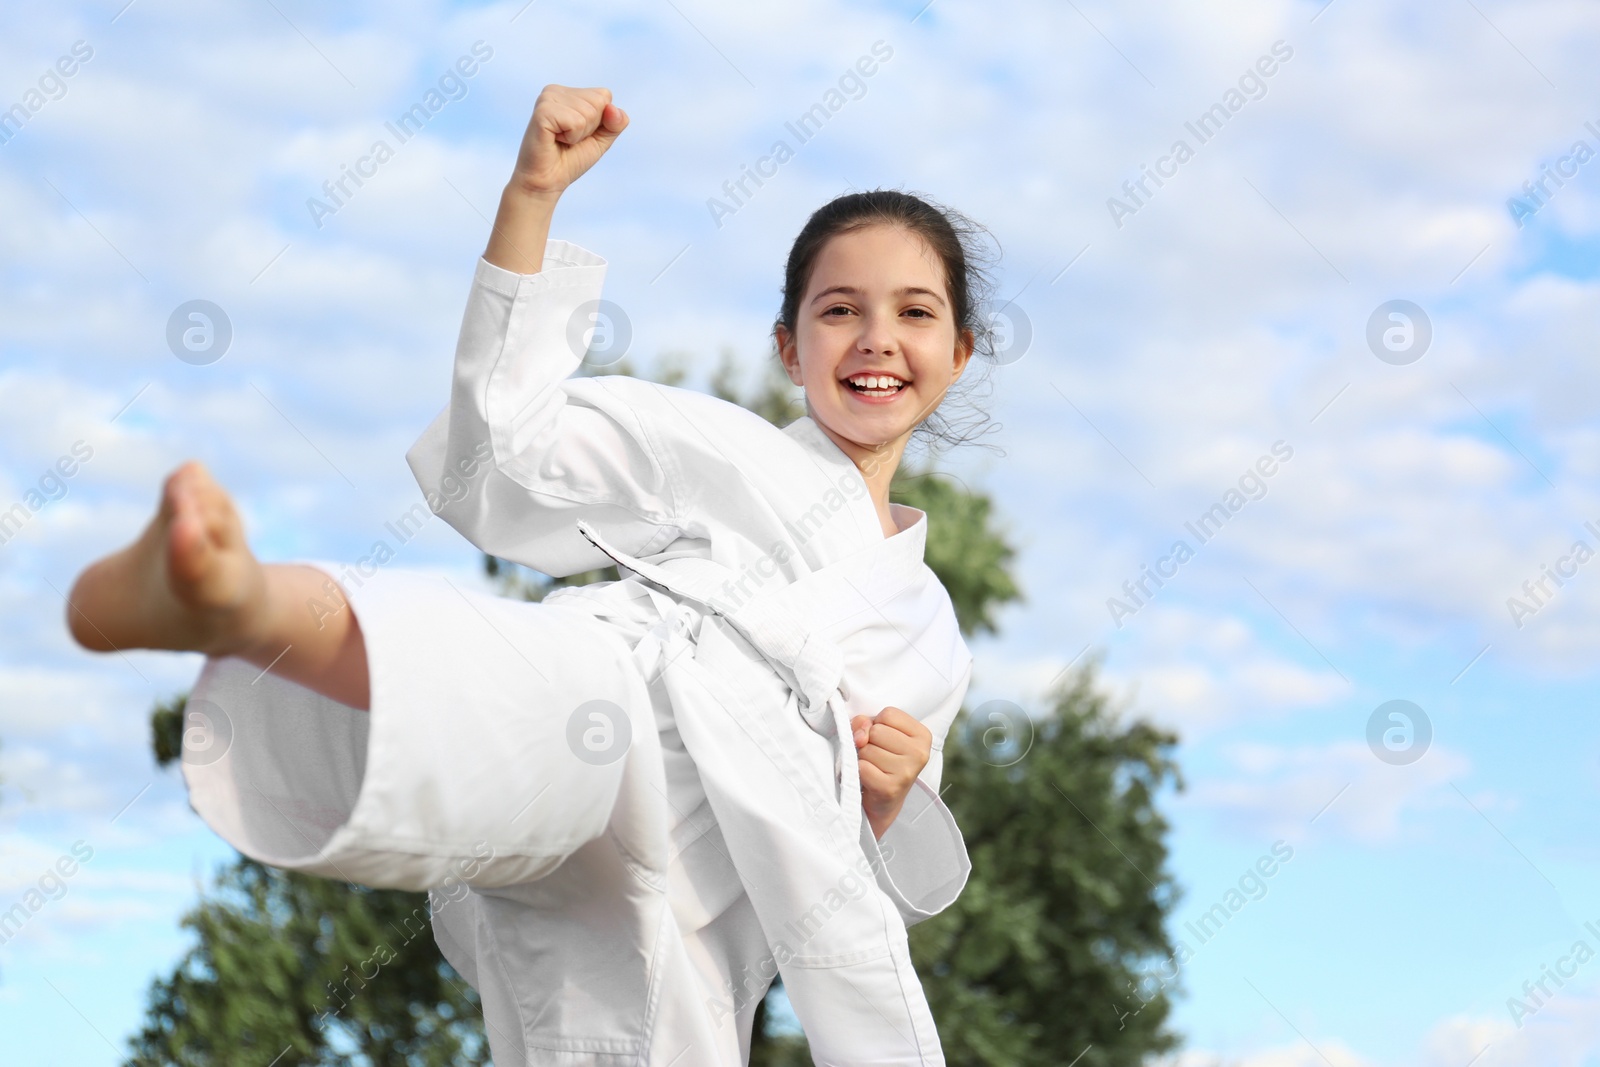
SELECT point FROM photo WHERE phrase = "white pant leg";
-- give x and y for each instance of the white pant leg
(461, 769)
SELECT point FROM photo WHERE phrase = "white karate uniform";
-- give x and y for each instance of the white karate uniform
(636, 801)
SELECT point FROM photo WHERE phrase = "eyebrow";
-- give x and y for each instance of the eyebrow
(850, 290)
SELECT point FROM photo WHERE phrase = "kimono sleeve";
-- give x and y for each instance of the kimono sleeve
(939, 721)
(521, 452)
(921, 861)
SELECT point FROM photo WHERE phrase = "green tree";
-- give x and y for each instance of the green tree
(1040, 957)
(308, 969)
(964, 548)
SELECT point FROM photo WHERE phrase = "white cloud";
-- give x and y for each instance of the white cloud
(1340, 789)
(1564, 1032)
(1200, 673)
(1297, 1054)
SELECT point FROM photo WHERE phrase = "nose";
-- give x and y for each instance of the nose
(877, 336)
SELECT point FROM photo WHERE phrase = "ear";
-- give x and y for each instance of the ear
(788, 352)
(963, 353)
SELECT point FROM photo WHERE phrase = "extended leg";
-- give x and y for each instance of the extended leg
(190, 583)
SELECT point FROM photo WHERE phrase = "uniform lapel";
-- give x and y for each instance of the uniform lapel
(836, 465)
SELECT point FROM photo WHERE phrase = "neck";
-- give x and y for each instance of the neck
(877, 464)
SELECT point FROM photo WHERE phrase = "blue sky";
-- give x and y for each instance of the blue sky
(1226, 313)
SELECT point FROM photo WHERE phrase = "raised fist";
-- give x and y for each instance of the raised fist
(570, 129)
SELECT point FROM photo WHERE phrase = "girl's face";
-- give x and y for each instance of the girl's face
(876, 307)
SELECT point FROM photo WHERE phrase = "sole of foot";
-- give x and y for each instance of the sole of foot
(188, 583)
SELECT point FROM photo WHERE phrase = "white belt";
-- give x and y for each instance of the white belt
(781, 859)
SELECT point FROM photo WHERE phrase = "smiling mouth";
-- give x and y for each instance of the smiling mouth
(876, 385)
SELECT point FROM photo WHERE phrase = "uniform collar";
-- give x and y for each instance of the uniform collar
(831, 458)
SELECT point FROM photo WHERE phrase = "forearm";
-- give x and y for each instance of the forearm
(880, 818)
(521, 228)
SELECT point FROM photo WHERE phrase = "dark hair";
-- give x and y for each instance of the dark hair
(957, 241)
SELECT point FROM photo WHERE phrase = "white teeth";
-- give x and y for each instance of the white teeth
(878, 382)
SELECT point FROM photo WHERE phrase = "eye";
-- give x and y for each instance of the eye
(922, 312)
(837, 307)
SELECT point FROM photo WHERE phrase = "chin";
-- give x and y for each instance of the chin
(864, 429)
(873, 436)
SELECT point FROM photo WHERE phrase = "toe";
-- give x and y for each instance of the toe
(187, 541)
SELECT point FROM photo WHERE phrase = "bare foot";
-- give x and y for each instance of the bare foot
(189, 583)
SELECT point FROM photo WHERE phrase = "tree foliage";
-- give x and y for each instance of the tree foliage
(964, 549)
(1038, 958)
(315, 971)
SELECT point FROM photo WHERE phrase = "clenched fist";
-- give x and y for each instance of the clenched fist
(570, 129)
(891, 749)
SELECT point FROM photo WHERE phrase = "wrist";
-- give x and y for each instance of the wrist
(524, 191)
(881, 817)
(521, 229)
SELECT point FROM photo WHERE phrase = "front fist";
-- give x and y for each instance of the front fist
(570, 129)
(891, 749)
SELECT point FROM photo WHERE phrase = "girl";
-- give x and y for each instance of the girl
(631, 801)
